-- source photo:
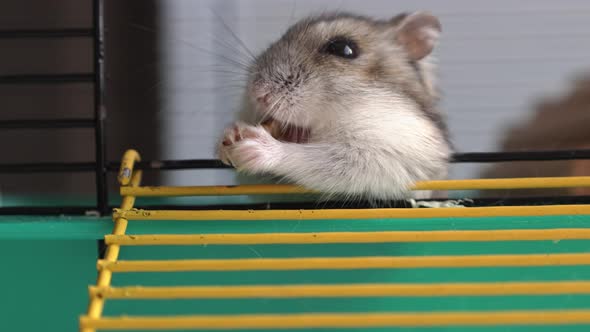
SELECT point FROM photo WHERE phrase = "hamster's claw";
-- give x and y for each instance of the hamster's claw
(249, 148)
(232, 135)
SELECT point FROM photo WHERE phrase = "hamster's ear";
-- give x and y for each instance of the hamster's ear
(417, 33)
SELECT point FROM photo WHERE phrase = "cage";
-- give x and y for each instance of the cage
(175, 260)
(445, 267)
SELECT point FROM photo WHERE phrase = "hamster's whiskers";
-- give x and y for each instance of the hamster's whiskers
(235, 36)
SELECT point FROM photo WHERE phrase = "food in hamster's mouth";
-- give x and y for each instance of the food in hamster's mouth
(286, 132)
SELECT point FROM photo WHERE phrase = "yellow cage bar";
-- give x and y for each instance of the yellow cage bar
(347, 320)
(443, 212)
(130, 189)
(352, 237)
(343, 263)
(465, 184)
(128, 177)
(349, 290)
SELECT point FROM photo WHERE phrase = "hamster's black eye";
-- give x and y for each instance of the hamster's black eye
(342, 47)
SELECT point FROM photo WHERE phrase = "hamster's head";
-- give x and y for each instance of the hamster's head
(325, 63)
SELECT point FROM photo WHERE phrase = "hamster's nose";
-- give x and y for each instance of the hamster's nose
(261, 93)
(263, 99)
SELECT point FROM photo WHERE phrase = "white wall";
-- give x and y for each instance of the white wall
(495, 58)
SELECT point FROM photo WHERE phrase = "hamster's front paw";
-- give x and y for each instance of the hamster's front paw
(249, 148)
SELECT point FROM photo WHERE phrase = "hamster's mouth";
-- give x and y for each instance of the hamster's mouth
(286, 132)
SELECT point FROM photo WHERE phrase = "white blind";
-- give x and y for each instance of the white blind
(496, 58)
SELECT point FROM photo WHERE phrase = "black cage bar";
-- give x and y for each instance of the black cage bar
(100, 111)
(97, 78)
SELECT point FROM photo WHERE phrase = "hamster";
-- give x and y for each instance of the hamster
(345, 105)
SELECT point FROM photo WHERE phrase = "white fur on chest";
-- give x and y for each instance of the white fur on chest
(378, 149)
